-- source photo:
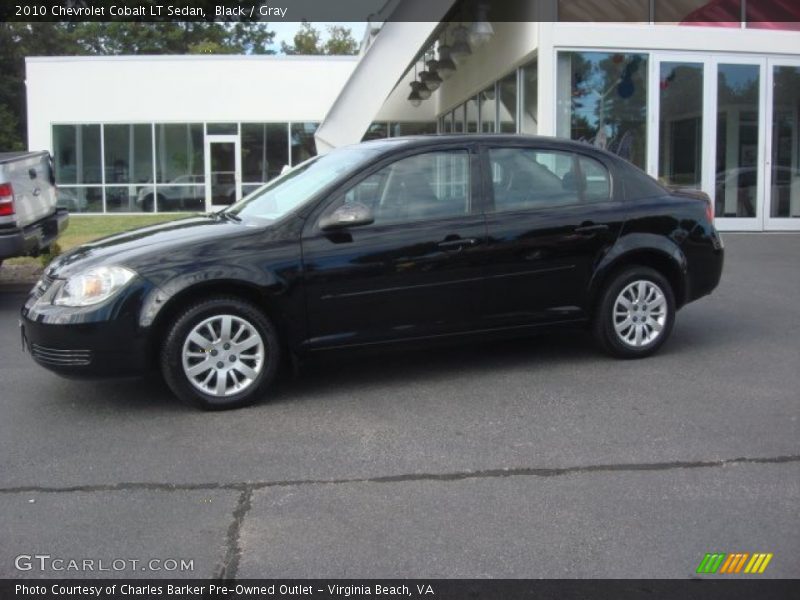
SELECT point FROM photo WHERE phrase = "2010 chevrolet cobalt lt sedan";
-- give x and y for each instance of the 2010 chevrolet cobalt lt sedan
(400, 240)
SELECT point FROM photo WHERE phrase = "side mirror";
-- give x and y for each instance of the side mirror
(352, 214)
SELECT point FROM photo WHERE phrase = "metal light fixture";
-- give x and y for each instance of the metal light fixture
(481, 31)
(430, 77)
(414, 97)
(445, 66)
(460, 49)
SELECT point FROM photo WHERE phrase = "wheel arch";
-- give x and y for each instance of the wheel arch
(646, 250)
(169, 310)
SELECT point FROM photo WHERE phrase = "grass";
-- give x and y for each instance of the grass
(84, 229)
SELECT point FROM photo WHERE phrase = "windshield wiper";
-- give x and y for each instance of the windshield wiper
(228, 216)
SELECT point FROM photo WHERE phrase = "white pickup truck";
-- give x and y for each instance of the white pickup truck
(29, 219)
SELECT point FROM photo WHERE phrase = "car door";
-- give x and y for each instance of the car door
(413, 272)
(551, 215)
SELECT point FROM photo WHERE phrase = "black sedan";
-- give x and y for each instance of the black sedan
(395, 241)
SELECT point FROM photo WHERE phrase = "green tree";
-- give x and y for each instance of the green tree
(308, 41)
(340, 41)
(18, 40)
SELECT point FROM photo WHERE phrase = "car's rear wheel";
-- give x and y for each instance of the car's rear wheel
(635, 314)
(220, 353)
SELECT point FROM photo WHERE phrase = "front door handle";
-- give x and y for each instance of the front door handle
(457, 243)
(591, 228)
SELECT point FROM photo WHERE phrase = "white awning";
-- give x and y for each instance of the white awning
(377, 74)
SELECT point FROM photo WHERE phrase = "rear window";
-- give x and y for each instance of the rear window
(525, 178)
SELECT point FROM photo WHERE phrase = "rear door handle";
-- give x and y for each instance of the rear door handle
(457, 243)
(591, 228)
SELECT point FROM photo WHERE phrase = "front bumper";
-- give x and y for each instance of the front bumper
(90, 342)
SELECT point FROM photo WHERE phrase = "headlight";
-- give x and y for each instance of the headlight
(93, 286)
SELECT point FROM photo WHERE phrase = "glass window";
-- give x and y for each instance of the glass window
(526, 179)
(179, 151)
(458, 119)
(447, 123)
(303, 145)
(129, 153)
(680, 129)
(411, 128)
(186, 193)
(472, 115)
(785, 193)
(530, 98)
(737, 170)
(303, 182)
(129, 198)
(81, 199)
(507, 90)
(376, 131)
(488, 110)
(602, 99)
(434, 185)
(265, 151)
(76, 150)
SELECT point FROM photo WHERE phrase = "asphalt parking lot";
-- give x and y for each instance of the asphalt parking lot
(529, 458)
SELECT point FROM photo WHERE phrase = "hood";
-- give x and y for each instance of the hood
(147, 245)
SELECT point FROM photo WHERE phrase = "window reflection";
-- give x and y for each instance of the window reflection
(128, 153)
(265, 150)
(602, 99)
(77, 153)
(507, 98)
(785, 185)
(303, 145)
(179, 151)
(737, 172)
(680, 140)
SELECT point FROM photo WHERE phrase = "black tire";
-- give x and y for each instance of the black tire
(147, 203)
(171, 358)
(604, 319)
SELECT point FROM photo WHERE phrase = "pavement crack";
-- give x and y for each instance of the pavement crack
(233, 548)
(247, 488)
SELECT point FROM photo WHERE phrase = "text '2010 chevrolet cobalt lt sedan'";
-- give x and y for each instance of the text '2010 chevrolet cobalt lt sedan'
(399, 240)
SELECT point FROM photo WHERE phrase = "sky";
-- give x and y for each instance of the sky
(284, 32)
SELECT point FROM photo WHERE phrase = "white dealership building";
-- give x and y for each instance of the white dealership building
(693, 99)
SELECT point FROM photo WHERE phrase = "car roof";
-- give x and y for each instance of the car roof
(411, 141)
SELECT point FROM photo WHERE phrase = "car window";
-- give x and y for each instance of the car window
(524, 178)
(433, 185)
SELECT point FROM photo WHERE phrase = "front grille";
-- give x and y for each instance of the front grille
(61, 358)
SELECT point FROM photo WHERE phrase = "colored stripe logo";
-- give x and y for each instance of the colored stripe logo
(733, 563)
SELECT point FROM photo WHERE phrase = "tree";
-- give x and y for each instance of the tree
(18, 40)
(340, 41)
(308, 41)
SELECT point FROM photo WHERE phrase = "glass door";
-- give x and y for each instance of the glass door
(736, 183)
(223, 171)
(679, 154)
(783, 156)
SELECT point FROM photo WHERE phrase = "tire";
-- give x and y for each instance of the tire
(223, 377)
(614, 327)
(147, 203)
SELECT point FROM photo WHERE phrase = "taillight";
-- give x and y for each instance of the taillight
(6, 200)
(710, 212)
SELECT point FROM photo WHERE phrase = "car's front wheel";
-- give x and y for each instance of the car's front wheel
(635, 314)
(220, 353)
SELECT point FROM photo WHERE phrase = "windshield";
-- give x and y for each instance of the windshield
(295, 187)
